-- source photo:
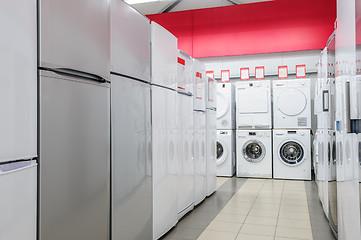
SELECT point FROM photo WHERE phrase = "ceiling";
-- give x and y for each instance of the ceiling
(161, 6)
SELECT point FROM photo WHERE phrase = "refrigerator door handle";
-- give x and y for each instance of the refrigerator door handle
(16, 166)
(202, 111)
(212, 109)
(76, 73)
(185, 93)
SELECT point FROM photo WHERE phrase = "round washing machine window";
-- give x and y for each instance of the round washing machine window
(222, 152)
(222, 105)
(292, 102)
(254, 151)
(291, 153)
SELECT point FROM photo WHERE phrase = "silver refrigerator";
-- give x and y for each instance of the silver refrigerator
(18, 120)
(131, 200)
(74, 112)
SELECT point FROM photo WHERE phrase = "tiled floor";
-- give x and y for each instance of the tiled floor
(252, 209)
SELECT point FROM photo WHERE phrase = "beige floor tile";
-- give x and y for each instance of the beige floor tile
(263, 213)
(296, 233)
(294, 202)
(233, 210)
(268, 221)
(217, 235)
(234, 218)
(221, 181)
(294, 223)
(224, 226)
(238, 203)
(296, 208)
(242, 236)
(265, 205)
(268, 200)
(258, 229)
(294, 215)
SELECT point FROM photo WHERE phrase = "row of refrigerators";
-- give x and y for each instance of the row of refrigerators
(337, 144)
(107, 129)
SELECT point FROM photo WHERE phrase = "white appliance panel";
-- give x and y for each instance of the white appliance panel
(18, 187)
(84, 29)
(199, 91)
(211, 135)
(163, 56)
(200, 156)
(226, 107)
(165, 182)
(18, 85)
(131, 182)
(129, 43)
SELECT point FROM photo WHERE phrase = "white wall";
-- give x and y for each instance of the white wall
(270, 61)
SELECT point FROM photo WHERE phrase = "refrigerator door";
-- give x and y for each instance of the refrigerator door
(129, 41)
(75, 35)
(165, 179)
(131, 183)
(164, 54)
(18, 104)
(75, 159)
(18, 200)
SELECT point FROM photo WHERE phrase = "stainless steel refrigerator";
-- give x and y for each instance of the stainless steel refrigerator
(74, 111)
(18, 120)
(131, 200)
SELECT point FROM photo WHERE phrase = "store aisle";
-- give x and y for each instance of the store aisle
(257, 209)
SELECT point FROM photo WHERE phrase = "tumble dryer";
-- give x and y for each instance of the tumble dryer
(254, 153)
(292, 154)
(253, 105)
(226, 153)
(226, 107)
(292, 104)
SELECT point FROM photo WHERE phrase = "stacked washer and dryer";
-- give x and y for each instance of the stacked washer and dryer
(226, 124)
(254, 124)
(292, 129)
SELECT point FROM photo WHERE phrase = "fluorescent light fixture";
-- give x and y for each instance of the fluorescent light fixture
(140, 1)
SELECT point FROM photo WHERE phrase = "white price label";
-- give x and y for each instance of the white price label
(225, 76)
(259, 73)
(244, 73)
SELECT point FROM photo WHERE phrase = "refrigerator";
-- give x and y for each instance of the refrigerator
(164, 129)
(199, 117)
(186, 131)
(18, 122)
(131, 181)
(74, 124)
(211, 136)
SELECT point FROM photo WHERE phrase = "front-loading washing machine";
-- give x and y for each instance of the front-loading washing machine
(253, 105)
(292, 104)
(254, 153)
(226, 153)
(226, 107)
(292, 154)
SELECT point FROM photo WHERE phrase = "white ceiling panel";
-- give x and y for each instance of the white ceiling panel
(158, 6)
(198, 4)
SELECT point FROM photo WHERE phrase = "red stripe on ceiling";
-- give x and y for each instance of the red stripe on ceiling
(264, 27)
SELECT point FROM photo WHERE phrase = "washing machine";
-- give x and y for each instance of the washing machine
(253, 105)
(226, 106)
(292, 104)
(254, 153)
(226, 153)
(292, 154)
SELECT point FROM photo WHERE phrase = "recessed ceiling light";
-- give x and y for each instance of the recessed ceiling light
(140, 1)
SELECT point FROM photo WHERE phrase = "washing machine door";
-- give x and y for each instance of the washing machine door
(254, 151)
(222, 152)
(291, 153)
(223, 105)
(292, 102)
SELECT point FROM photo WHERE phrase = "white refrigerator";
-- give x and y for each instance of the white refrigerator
(131, 195)
(18, 121)
(164, 129)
